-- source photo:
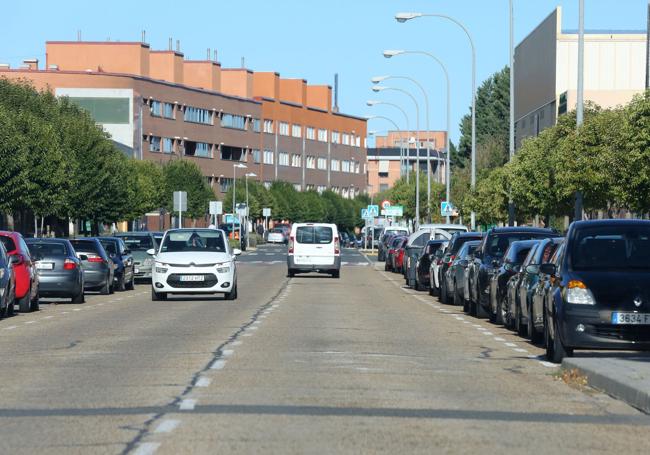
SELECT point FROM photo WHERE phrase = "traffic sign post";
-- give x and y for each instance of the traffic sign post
(266, 213)
(180, 205)
(446, 209)
(216, 209)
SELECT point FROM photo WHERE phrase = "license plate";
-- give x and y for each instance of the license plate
(630, 318)
(192, 278)
(44, 265)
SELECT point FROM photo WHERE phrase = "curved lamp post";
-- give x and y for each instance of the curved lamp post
(406, 118)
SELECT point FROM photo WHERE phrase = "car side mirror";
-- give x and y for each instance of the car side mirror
(151, 251)
(14, 259)
(532, 269)
(236, 252)
(548, 269)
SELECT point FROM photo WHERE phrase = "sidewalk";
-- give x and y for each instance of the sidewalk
(625, 376)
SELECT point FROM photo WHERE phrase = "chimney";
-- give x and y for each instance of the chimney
(336, 93)
(215, 55)
(178, 45)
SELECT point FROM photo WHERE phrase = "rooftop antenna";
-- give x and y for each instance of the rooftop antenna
(169, 46)
(243, 62)
(336, 92)
(208, 57)
(215, 55)
(178, 45)
(78, 35)
(144, 36)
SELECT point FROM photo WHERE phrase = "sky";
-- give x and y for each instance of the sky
(315, 39)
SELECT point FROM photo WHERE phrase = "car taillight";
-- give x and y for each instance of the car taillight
(337, 245)
(69, 264)
(290, 245)
(95, 259)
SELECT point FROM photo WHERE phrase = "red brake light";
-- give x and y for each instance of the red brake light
(337, 245)
(95, 258)
(69, 264)
(290, 245)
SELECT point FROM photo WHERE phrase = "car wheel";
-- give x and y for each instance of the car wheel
(548, 341)
(232, 295)
(35, 303)
(336, 274)
(106, 289)
(559, 350)
(24, 304)
(443, 292)
(131, 284)
(481, 313)
(79, 298)
(155, 296)
(291, 273)
(121, 284)
(534, 335)
(11, 307)
(519, 327)
(458, 299)
(498, 317)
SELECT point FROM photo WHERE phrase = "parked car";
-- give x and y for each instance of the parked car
(372, 234)
(454, 246)
(60, 272)
(600, 291)
(194, 261)
(423, 265)
(527, 320)
(434, 269)
(277, 235)
(98, 267)
(398, 256)
(457, 271)
(514, 263)
(500, 280)
(138, 243)
(123, 276)
(487, 260)
(7, 281)
(396, 242)
(314, 247)
(26, 294)
(541, 290)
(389, 232)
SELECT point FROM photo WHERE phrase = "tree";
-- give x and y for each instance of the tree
(184, 175)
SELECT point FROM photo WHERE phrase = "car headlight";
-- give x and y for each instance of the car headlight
(161, 268)
(223, 268)
(577, 293)
(148, 262)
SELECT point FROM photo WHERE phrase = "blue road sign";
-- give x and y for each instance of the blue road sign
(446, 208)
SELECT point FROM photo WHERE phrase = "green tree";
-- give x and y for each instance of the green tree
(184, 175)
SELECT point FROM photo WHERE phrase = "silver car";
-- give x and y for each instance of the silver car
(139, 243)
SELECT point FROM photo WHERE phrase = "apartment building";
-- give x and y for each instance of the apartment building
(159, 106)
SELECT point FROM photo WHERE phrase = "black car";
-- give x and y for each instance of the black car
(60, 272)
(423, 264)
(600, 291)
(487, 260)
(500, 283)
(541, 290)
(97, 265)
(7, 280)
(509, 308)
(455, 244)
(457, 272)
(124, 276)
(528, 318)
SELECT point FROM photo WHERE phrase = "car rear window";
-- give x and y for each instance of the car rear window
(47, 249)
(499, 244)
(8, 242)
(611, 247)
(314, 234)
(460, 241)
(137, 242)
(85, 246)
(277, 231)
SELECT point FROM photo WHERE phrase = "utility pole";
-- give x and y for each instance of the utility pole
(511, 204)
(647, 52)
(581, 92)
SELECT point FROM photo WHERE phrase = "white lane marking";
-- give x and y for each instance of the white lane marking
(487, 333)
(100, 304)
(77, 309)
(65, 312)
(257, 322)
(519, 350)
(510, 345)
(247, 334)
(11, 327)
(30, 322)
(118, 300)
(252, 254)
(227, 352)
(203, 382)
(549, 364)
(253, 327)
(167, 426)
(218, 364)
(187, 404)
(466, 322)
(276, 262)
(147, 448)
(481, 329)
(48, 317)
(237, 343)
(499, 339)
(458, 318)
(476, 325)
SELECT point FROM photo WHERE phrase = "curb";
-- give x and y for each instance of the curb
(629, 386)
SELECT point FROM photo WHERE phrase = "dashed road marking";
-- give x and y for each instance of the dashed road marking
(237, 343)
(487, 333)
(167, 426)
(218, 364)
(203, 381)
(519, 350)
(48, 317)
(11, 327)
(247, 334)
(227, 352)
(30, 322)
(253, 327)
(147, 448)
(187, 404)
(499, 339)
(510, 345)
(76, 309)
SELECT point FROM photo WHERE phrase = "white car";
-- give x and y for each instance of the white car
(194, 261)
(314, 247)
(276, 235)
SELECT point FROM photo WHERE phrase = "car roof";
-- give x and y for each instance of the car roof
(45, 239)
(611, 222)
(518, 229)
(136, 233)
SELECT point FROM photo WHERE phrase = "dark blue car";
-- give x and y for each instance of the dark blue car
(600, 292)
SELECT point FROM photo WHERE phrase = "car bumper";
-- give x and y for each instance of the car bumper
(94, 279)
(212, 283)
(599, 333)
(325, 268)
(59, 285)
(142, 272)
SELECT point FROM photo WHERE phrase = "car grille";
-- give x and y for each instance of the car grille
(209, 280)
(623, 332)
(191, 265)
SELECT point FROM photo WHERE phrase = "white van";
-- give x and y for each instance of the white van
(314, 247)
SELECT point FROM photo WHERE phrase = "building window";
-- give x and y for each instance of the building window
(268, 126)
(154, 143)
(322, 163)
(156, 108)
(197, 115)
(197, 149)
(346, 139)
(283, 159)
(311, 162)
(311, 133)
(297, 186)
(168, 111)
(322, 135)
(296, 160)
(268, 157)
(225, 184)
(345, 166)
(296, 130)
(167, 145)
(237, 122)
(256, 156)
(383, 187)
(233, 153)
(335, 165)
(357, 167)
(336, 137)
(256, 125)
(284, 129)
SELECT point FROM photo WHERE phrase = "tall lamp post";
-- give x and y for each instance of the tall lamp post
(393, 53)
(511, 204)
(408, 129)
(581, 90)
(248, 209)
(377, 80)
(381, 88)
(234, 196)
(403, 17)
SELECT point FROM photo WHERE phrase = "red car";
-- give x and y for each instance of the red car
(399, 255)
(25, 271)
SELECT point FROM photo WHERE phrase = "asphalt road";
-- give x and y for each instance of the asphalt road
(304, 365)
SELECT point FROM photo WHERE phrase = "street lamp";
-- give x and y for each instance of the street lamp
(234, 196)
(403, 17)
(406, 118)
(394, 53)
(581, 90)
(248, 243)
(381, 88)
(378, 79)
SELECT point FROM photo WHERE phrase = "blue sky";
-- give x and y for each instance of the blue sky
(315, 39)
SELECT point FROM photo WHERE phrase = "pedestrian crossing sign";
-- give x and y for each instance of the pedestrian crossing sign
(446, 208)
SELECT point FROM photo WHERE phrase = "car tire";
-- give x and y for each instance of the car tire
(443, 292)
(35, 303)
(498, 317)
(519, 327)
(458, 300)
(291, 273)
(111, 289)
(121, 284)
(157, 296)
(131, 284)
(385, 266)
(535, 336)
(336, 274)
(24, 304)
(79, 298)
(481, 313)
(232, 295)
(559, 350)
(106, 289)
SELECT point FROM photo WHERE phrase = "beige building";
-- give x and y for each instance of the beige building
(546, 66)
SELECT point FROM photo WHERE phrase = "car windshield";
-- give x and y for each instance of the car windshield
(194, 241)
(611, 247)
(47, 249)
(137, 242)
(314, 234)
(499, 244)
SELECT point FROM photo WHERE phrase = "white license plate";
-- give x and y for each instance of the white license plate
(630, 318)
(192, 278)
(44, 265)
